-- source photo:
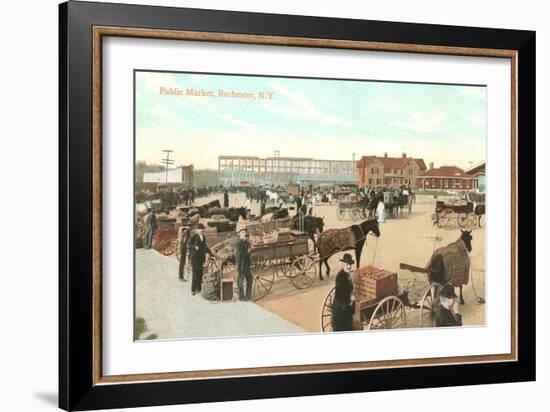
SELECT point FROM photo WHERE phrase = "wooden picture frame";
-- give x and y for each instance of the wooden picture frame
(82, 386)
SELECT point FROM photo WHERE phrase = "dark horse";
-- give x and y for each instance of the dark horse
(231, 213)
(312, 225)
(437, 267)
(338, 240)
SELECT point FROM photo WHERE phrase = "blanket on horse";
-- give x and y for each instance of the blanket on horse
(332, 240)
(450, 264)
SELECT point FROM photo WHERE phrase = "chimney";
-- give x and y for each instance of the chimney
(431, 165)
(386, 154)
(404, 155)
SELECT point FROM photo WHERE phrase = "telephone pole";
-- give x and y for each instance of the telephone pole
(167, 161)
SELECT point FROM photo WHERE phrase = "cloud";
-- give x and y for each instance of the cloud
(302, 108)
(421, 122)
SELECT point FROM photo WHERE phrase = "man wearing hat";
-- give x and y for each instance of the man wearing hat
(448, 311)
(242, 262)
(343, 306)
(150, 223)
(197, 251)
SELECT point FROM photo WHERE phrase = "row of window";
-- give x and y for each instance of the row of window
(376, 170)
(343, 165)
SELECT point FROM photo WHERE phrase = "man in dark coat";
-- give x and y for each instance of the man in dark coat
(448, 311)
(225, 198)
(242, 262)
(183, 253)
(197, 253)
(150, 223)
(343, 305)
(298, 203)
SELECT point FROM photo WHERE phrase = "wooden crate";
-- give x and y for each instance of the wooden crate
(370, 283)
(226, 290)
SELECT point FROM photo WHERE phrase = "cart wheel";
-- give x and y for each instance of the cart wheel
(170, 248)
(283, 268)
(263, 274)
(389, 314)
(466, 219)
(445, 217)
(356, 214)
(472, 220)
(340, 212)
(326, 312)
(430, 302)
(303, 272)
(211, 266)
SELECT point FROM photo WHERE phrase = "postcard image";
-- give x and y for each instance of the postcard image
(267, 205)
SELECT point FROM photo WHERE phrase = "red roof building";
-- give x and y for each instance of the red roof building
(446, 178)
(388, 171)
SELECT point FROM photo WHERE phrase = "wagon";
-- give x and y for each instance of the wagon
(462, 212)
(166, 236)
(284, 256)
(355, 209)
(387, 310)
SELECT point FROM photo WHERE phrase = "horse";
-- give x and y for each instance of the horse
(436, 265)
(203, 209)
(272, 196)
(231, 213)
(312, 225)
(338, 240)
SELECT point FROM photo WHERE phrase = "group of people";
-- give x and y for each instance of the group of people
(344, 304)
(195, 248)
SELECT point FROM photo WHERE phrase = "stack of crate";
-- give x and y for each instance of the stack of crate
(371, 283)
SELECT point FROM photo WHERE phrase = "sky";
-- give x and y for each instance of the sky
(317, 118)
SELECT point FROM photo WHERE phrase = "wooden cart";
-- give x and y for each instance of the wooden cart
(288, 256)
(448, 213)
(387, 310)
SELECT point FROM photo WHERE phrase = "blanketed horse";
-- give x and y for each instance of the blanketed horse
(333, 241)
(451, 263)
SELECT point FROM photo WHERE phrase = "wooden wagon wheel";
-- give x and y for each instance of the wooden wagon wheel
(356, 213)
(211, 266)
(326, 311)
(340, 212)
(263, 274)
(472, 220)
(466, 219)
(430, 302)
(445, 217)
(389, 314)
(282, 267)
(303, 272)
(169, 248)
(479, 221)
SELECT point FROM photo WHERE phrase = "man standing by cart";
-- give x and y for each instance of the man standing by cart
(198, 250)
(243, 262)
(343, 306)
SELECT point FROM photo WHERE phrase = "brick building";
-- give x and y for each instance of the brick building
(389, 171)
(479, 172)
(446, 178)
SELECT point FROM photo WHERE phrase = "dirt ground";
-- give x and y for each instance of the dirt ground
(410, 239)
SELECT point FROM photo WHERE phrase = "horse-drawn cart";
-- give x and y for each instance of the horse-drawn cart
(279, 254)
(355, 209)
(446, 213)
(382, 301)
